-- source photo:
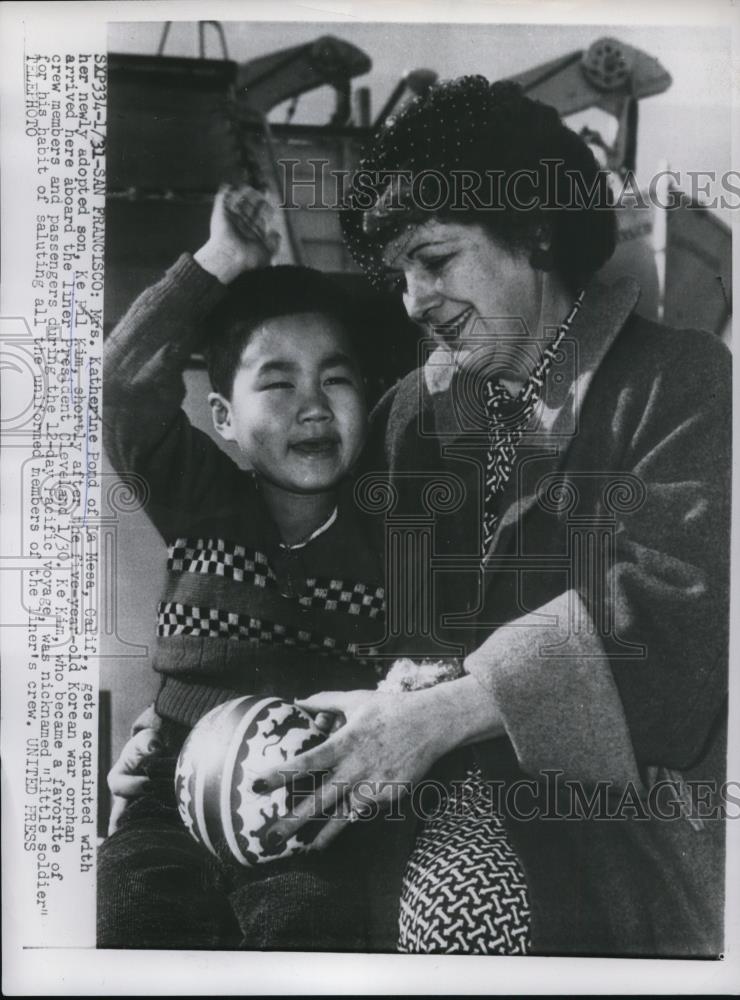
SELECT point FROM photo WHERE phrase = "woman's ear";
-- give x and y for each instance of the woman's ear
(221, 414)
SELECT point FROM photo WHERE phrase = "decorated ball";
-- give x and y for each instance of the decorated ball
(230, 747)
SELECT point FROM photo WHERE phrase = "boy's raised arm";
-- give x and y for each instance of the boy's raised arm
(145, 429)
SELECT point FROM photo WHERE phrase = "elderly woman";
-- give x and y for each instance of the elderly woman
(576, 461)
(581, 573)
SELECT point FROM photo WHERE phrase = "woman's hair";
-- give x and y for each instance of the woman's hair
(264, 294)
(471, 151)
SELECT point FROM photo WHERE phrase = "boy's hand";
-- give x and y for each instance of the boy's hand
(125, 779)
(241, 238)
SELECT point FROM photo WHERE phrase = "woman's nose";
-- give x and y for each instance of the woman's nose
(421, 297)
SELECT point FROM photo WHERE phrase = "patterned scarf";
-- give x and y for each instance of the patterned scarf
(507, 421)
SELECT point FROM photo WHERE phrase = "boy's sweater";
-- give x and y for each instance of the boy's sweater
(240, 613)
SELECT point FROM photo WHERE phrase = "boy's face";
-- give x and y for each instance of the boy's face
(297, 409)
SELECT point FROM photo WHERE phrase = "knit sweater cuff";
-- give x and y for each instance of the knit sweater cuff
(186, 701)
(197, 288)
(195, 293)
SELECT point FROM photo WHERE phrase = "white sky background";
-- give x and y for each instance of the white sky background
(689, 125)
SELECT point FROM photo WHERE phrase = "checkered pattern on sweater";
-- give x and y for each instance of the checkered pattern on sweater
(217, 557)
(174, 618)
(337, 595)
(220, 558)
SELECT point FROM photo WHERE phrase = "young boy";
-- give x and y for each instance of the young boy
(273, 577)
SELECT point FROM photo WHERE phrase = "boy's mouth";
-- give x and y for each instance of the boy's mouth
(316, 446)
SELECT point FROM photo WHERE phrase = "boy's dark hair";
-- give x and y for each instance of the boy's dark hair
(264, 294)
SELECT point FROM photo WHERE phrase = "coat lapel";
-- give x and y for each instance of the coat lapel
(604, 312)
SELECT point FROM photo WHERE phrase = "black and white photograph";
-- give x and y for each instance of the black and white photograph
(397, 358)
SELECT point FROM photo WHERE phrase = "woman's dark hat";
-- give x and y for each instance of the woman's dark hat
(413, 169)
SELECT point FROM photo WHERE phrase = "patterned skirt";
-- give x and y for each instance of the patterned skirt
(464, 889)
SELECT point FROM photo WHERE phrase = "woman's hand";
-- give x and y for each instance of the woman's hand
(241, 238)
(385, 744)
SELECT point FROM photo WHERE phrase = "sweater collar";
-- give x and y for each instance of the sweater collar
(324, 526)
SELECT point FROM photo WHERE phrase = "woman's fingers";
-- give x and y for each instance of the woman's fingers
(319, 759)
(326, 802)
(366, 764)
(339, 703)
(351, 811)
(330, 710)
(329, 832)
(325, 701)
(334, 802)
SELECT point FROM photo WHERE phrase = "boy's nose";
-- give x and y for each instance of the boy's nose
(315, 406)
(421, 297)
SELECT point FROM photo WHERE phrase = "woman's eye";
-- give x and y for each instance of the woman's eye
(435, 264)
(338, 380)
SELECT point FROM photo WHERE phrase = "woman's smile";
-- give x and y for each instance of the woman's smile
(451, 331)
(457, 280)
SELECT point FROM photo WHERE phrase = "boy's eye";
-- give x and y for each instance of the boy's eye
(277, 385)
(338, 380)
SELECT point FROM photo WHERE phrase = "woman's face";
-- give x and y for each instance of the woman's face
(462, 284)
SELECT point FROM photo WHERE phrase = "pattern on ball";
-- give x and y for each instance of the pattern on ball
(222, 756)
